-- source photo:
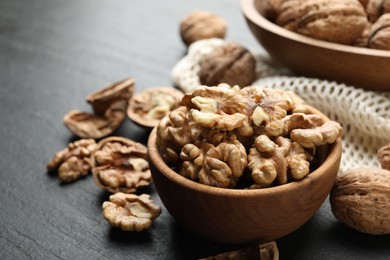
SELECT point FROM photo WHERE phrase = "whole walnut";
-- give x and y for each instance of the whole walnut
(200, 25)
(230, 63)
(339, 21)
(376, 8)
(379, 36)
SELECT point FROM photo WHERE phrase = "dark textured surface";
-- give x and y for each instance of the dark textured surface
(53, 53)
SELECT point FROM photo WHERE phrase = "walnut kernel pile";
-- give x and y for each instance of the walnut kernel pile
(221, 135)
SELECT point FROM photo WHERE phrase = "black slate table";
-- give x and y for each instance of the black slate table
(53, 53)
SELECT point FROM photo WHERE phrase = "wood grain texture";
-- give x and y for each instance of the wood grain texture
(53, 54)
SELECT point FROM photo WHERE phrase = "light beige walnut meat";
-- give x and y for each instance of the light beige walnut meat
(120, 165)
(384, 156)
(74, 161)
(130, 212)
(277, 161)
(219, 166)
(207, 138)
(360, 199)
(379, 35)
(147, 108)
(229, 63)
(266, 251)
(200, 25)
(109, 105)
(340, 21)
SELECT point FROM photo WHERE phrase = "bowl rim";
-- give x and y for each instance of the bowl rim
(334, 154)
(249, 10)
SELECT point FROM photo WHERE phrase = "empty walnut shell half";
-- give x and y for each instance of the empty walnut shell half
(130, 212)
(229, 63)
(102, 99)
(147, 108)
(379, 36)
(109, 104)
(120, 165)
(200, 25)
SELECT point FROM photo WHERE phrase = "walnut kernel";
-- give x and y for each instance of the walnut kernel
(130, 212)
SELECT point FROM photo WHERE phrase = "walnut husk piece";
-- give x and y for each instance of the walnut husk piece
(200, 25)
(147, 108)
(229, 63)
(74, 161)
(130, 212)
(109, 105)
(120, 165)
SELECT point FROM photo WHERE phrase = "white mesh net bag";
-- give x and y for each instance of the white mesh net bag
(364, 115)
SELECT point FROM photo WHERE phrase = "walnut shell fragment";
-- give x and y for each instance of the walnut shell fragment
(200, 25)
(384, 156)
(360, 199)
(109, 105)
(120, 165)
(147, 108)
(229, 63)
(266, 251)
(130, 212)
(74, 161)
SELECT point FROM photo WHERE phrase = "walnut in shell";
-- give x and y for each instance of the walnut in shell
(384, 156)
(200, 25)
(109, 105)
(379, 35)
(229, 63)
(147, 108)
(120, 165)
(360, 199)
(74, 161)
(130, 212)
(339, 21)
(376, 8)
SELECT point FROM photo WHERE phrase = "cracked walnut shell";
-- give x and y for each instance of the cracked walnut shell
(74, 161)
(130, 212)
(200, 25)
(120, 165)
(150, 106)
(229, 63)
(109, 105)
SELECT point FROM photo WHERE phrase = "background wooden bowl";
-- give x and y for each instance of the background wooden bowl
(361, 67)
(241, 216)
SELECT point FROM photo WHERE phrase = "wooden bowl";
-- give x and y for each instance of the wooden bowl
(239, 216)
(360, 67)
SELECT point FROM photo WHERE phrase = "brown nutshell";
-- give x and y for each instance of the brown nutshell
(229, 63)
(200, 25)
(360, 199)
(379, 35)
(109, 105)
(384, 156)
(120, 165)
(147, 108)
